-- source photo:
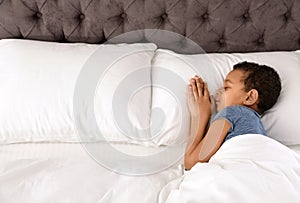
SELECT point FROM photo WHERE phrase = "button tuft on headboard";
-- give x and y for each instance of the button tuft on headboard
(38, 14)
(123, 15)
(221, 42)
(246, 15)
(81, 16)
(164, 15)
(260, 41)
(205, 16)
(287, 16)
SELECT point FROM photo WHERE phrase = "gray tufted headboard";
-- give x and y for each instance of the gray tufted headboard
(215, 25)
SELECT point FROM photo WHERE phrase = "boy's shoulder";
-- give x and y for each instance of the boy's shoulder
(239, 109)
(235, 111)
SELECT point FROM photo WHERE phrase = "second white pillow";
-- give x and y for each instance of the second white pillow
(280, 122)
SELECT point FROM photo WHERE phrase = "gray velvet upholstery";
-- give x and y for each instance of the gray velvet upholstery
(216, 25)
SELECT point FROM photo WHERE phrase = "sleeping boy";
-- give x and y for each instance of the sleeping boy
(249, 90)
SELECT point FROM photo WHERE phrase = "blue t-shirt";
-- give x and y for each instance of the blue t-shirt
(243, 120)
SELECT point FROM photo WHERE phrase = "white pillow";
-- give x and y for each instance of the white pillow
(170, 76)
(281, 121)
(37, 81)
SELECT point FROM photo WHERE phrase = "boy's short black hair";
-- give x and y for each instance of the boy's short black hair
(265, 80)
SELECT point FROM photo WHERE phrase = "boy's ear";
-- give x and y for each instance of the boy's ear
(252, 97)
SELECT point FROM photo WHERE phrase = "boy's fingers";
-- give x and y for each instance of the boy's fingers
(212, 99)
(190, 92)
(206, 92)
(194, 88)
(213, 107)
(199, 82)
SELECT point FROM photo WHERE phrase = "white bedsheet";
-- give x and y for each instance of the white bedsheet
(48, 172)
(248, 168)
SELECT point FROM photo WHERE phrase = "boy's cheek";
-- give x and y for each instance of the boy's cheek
(224, 100)
(220, 105)
(220, 100)
(218, 108)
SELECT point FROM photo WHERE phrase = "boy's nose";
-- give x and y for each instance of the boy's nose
(219, 93)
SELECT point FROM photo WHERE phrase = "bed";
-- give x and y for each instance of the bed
(93, 100)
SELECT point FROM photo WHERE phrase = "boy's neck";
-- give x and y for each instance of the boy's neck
(253, 107)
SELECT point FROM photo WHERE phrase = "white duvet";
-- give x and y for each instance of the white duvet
(248, 168)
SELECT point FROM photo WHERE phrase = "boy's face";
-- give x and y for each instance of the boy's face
(232, 92)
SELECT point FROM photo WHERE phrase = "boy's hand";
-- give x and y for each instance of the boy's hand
(199, 98)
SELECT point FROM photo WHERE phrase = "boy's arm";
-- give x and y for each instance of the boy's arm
(197, 131)
(209, 145)
(199, 148)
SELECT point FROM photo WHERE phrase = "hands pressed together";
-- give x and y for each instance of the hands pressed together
(199, 100)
